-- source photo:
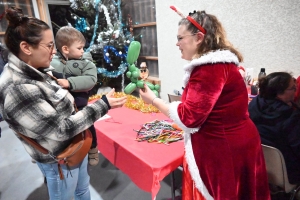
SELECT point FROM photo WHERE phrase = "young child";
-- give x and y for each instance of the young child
(76, 72)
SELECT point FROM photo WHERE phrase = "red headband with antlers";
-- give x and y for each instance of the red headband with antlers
(194, 22)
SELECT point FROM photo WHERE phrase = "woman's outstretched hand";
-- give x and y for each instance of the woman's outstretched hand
(147, 94)
(115, 102)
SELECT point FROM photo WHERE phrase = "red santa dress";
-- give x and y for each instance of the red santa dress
(223, 155)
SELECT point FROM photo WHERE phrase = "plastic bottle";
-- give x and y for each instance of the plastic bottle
(262, 73)
(254, 88)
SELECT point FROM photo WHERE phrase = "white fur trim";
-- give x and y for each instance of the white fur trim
(219, 56)
(189, 155)
(173, 114)
(193, 168)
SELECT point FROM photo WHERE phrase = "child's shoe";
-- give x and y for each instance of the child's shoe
(93, 156)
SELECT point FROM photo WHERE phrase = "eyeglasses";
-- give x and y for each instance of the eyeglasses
(179, 38)
(49, 46)
(143, 70)
(294, 88)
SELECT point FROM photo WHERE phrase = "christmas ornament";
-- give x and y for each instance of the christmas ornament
(81, 25)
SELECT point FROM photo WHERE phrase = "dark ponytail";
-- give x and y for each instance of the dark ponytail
(273, 84)
(14, 16)
(22, 28)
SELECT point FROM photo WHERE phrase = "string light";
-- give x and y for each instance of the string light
(114, 51)
(113, 74)
(98, 41)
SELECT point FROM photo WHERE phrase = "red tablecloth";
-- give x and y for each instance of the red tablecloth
(145, 163)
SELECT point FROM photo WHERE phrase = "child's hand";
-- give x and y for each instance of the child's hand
(63, 83)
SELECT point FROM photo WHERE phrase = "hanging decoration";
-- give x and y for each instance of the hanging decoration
(106, 38)
(73, 4)
(81, 25)
(96, 4)
(110, 30)
(114, 51)
(113, 74)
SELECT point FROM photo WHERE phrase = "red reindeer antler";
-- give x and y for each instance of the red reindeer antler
(177, 11)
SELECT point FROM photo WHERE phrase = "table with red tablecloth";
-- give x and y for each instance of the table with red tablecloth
(145, 163)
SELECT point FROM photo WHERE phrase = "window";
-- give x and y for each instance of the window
(143, 15)
(29, 7)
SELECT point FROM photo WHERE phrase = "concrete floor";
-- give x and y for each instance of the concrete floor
(20, 179)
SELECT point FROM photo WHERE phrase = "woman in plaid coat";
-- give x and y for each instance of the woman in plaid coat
(35, 106)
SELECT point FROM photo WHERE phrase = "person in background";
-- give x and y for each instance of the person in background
(223, 158)
(34, 105)
(3, 57)
(276, 117)
(76, 72)
(3, 61)
(297, 94)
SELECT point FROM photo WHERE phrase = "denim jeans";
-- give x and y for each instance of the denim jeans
(74, 185)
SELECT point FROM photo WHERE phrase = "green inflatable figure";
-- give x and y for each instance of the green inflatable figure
(134, 72)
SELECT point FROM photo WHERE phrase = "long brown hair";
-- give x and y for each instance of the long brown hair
(22, 28)
(215, 37)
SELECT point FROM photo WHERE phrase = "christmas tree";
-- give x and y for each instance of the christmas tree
(107, 34)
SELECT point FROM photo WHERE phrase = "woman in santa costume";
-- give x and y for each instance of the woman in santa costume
(223, 156)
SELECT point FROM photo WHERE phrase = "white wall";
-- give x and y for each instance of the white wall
(266, 33)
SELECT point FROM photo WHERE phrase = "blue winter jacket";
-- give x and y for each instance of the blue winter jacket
(279, 126)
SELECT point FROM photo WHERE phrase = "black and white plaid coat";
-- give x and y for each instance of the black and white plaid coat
(34, 105)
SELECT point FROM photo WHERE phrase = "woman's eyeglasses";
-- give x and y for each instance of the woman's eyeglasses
(143, 70)
(179, 38)
(294, 88)
(49, 46)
